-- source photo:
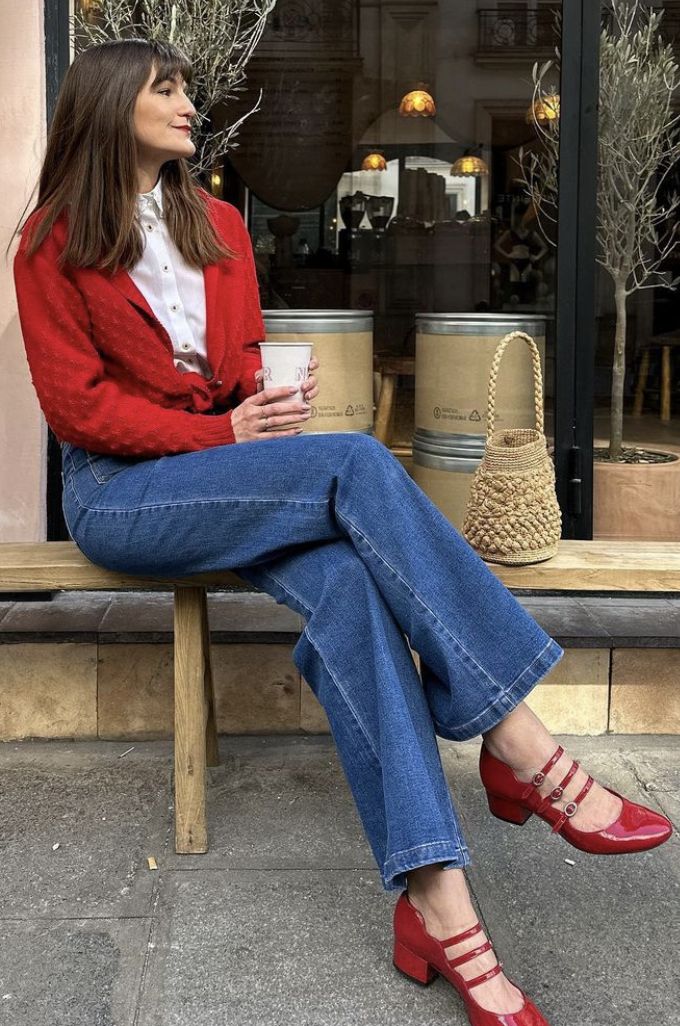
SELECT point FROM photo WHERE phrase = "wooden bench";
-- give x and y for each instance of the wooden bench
(60, 566)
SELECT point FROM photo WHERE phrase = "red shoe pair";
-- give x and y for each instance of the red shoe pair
(421, 957)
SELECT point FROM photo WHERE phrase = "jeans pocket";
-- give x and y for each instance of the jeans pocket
(106, 467)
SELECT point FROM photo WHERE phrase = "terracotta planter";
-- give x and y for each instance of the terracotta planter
(637, 501)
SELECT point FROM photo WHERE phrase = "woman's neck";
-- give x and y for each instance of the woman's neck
(147, 177)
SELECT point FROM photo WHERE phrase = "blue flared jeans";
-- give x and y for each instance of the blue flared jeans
(333, 526)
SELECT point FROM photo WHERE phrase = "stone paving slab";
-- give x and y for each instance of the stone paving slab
(105, 813)
(289, 948)
(268, 808)
(285, 920)
(74, 972)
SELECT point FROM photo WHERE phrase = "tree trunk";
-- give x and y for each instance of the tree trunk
(618, 372)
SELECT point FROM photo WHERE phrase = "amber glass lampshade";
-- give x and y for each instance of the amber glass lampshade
(544, 110)
(417, 104)
(469, 165)
(374, 162)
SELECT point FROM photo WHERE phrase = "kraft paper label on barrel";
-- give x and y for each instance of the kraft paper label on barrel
(452, 381)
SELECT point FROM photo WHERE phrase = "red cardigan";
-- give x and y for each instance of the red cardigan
(103, 365)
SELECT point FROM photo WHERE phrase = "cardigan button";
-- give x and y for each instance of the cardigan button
(217, 384)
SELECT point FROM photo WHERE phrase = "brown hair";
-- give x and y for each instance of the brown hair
(90, 165)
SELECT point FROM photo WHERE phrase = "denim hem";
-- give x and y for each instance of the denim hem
(506, 702)
(397, 866)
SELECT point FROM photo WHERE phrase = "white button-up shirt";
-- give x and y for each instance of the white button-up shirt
(174, 290)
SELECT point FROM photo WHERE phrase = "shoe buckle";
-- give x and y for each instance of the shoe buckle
(556, 793)
(570, 808)
(538, 779)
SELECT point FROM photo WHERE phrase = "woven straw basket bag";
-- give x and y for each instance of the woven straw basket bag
(512, 515)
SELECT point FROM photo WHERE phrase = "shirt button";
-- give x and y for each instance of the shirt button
(174, 307)
(186, 346)
(149, 227)
(165, 267)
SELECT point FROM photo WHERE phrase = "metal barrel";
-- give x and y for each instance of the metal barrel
(454, 352)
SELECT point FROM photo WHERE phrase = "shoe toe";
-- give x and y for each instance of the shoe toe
(638, 826)
(528, 1015)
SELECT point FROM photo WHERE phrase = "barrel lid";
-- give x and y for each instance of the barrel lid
(308, 321)
(480, 323)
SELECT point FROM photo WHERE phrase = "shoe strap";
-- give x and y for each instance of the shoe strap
(485, 976)
(469, 955)
(539, 777)
(570, 808)
(462, 936)
(558, 791)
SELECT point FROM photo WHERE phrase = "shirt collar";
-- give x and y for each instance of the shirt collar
(153, 199)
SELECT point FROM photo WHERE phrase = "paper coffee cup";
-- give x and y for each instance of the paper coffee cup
(286, 363)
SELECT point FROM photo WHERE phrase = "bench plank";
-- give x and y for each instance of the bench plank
(61, 566)
(601, 566)
(578, 566)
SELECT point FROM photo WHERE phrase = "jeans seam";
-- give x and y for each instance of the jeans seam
(344, 697)
(287, 591)
(424, 604)
(198, 502)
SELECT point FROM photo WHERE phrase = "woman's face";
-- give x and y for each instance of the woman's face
(161, 118)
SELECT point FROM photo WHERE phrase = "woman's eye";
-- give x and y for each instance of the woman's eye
(165, 92)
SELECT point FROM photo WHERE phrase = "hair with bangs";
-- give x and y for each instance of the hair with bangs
(90, 164)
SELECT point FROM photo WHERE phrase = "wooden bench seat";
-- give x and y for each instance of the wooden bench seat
(60, 566)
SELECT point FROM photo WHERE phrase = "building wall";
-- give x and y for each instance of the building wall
(23, 432)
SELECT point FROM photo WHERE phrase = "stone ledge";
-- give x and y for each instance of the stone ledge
(236, 617)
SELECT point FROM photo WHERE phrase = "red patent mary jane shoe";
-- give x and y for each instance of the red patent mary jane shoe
(421, 957)
(637, 828)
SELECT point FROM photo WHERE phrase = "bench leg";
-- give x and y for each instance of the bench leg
(211, 746)
(191, 834)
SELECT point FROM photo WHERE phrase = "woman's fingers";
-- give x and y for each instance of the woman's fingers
(270, 395)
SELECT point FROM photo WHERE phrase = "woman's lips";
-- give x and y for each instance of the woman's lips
(183, 128)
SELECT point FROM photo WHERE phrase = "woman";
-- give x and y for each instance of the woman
(139, 308)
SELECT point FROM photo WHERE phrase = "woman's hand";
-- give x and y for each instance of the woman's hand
(271, 413)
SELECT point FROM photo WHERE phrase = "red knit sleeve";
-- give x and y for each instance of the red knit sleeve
(80, 403)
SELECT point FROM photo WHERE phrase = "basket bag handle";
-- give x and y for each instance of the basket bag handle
(493, 379)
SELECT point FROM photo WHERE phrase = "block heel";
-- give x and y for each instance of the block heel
(413, 966)
(511, 812)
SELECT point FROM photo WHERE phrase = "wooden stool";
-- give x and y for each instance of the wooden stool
(666, 342)
(389, 367)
